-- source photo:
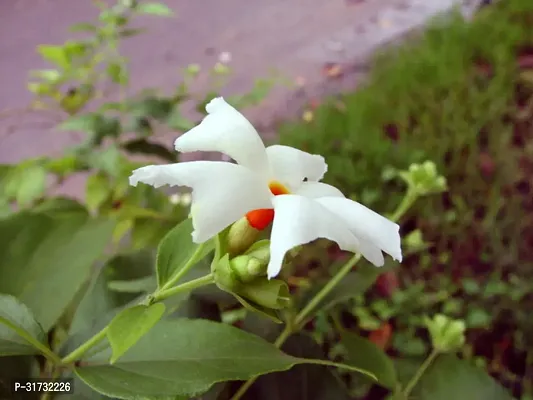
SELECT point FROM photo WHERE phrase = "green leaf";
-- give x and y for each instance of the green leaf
(46, 258)
(185, 358)
(57, 55)
(83, 27)
(159, 9)
(97, 191)
(18, 328)
(117, 73)
(128, 327)
(364, 354)
(449, 378)
(143, 146)
(176, 250)
(146, 284)
(303, 382)
(178, 122)
(26, 183)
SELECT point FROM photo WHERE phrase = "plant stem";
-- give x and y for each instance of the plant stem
(341, 273)
(406, 203)
(414, 380)
(80, 351)
(195, 283)
(192, 261)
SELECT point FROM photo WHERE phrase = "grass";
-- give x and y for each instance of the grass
(462, 96)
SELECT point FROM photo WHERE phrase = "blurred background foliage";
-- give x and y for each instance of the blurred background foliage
(461, 95)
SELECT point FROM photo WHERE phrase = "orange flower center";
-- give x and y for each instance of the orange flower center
(260, 219)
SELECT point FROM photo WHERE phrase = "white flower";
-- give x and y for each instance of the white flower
(277, 183)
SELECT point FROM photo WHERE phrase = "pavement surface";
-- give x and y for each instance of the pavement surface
(295, 37)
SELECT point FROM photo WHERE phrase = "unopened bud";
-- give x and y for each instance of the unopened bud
(248, 268)
(447, 335)
(241, 236)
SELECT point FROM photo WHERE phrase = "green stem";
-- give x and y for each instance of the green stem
(414, 380)
(192, 261)
(80, 351)
(404, 205)
(187, 286)
(345, 269)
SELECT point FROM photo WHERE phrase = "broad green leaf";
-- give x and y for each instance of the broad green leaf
(97, 191)
(159, 9)
(177, 250)
(128, 327)
(47, 257)
(364, 354)
(185, 358)
(57, 55)
(17, 325)
(303, 382)
(143, 146)
(451, 378)
(59, 206)
(81, 123)
(146, 284)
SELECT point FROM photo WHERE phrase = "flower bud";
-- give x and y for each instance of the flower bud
(272, 294)
(447, 335)
(424, 178)
(247, 268)
(240, 237)
(225, 277)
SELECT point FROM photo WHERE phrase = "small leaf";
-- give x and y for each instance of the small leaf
(57, 55)
(159, 9)
(178, 122)
(364, 354)
(117, 73)
(185, 358)
(83, 27)
(176, 250)
(143, 146)
(97, 191)
(16, 322)
(128, 327)
(451, 378)
(26, 183)
(146, 284)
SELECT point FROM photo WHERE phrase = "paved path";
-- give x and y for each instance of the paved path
(296, 37)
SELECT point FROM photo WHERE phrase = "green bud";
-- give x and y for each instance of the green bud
(447, 335)
(225, 277)
(192, 70)
(240, 237)
(272, 294)
(424, 179)
(247, 268)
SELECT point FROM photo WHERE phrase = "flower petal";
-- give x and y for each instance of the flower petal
(222, 192)
(299, 220)
(367, 225)
(318, 189)
(226, 130)
(291, 166)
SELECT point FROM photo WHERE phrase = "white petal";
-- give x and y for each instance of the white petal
(222, 192)
(317, 189)
(290, 166)
(367, 225)
(299, 220)
(226, 130)
(371, 253)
